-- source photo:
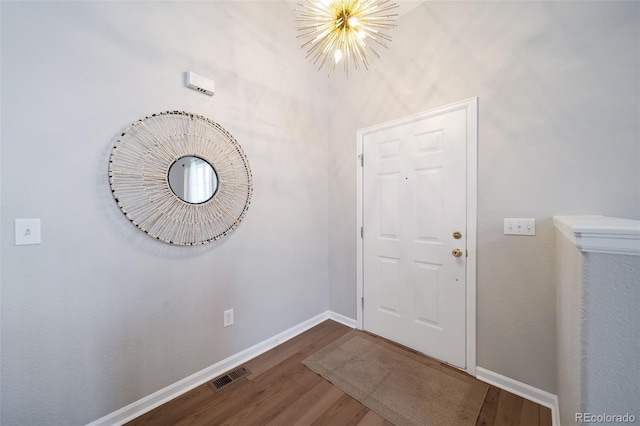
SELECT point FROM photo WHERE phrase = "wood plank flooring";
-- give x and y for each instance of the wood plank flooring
(282, 391)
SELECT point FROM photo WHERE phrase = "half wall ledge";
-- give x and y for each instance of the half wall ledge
(601, 234)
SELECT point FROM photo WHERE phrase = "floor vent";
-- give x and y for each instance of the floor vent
(228, 379)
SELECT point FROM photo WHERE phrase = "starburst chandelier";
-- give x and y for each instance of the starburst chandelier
(342, 30)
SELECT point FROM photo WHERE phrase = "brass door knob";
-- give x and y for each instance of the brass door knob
(457, 235)
(456, 253)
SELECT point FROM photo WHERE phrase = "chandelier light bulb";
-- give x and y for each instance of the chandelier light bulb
(346, 29)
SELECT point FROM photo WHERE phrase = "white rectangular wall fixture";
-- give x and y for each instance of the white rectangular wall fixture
(519, 226)
(228, 318)
(27, 231)
(200, 83)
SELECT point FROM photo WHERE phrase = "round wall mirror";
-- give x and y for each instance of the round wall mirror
(193, 179)
(181, 178)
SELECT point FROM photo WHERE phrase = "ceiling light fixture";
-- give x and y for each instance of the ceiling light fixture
(342, 29)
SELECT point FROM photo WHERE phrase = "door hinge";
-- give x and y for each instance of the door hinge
(362, 232)
(361, 157)
(362, 301)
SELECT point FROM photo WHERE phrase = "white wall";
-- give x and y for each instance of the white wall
(559, 90)
(100, 315)
(570, 314)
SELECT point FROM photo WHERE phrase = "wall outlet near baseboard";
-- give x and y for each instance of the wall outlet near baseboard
(228, 318)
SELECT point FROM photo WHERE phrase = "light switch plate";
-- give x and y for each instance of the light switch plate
(27, 231)
(519, 226)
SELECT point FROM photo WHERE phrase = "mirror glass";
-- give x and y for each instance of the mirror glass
(193, 179)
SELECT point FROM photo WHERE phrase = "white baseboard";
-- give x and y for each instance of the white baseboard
(522, 389)
(349, 322)
(148, 403)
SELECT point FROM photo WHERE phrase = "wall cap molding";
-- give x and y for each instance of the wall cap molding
(524, 390)
(601, 234)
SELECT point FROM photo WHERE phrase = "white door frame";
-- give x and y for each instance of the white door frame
(471, 107)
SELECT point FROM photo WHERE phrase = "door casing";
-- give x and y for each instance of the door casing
(471, 108)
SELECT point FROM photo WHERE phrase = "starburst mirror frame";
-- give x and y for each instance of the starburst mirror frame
(341, 30)
(139, 177)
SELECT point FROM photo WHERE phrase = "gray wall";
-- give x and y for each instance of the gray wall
(598, 333)
(558, 87)
(100, 315)
(611, 335)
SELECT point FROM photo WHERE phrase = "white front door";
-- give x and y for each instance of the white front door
(414, 216)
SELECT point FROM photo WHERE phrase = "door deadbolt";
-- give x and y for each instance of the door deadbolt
(456, 252)
(457, 235)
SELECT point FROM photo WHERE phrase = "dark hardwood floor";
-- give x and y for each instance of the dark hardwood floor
(282, 391)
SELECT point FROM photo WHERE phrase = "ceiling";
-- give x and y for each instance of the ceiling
(404, 5)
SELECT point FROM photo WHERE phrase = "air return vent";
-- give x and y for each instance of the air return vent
(227, 379)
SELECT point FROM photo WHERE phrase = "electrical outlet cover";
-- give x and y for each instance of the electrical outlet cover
(228, 318)
(27, 231)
